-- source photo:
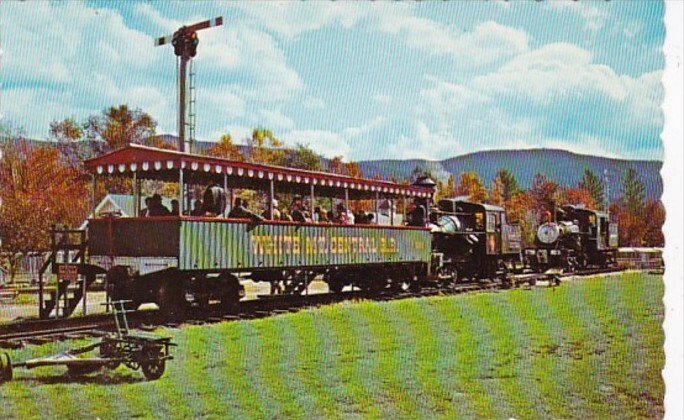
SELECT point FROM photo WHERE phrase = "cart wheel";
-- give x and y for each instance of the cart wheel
(153, 369)
(108, 350)
(153, 365)
(5, 368)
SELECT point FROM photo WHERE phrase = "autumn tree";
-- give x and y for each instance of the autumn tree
(303, 157)
(119, 126)
(471, 185)
(543, 195)
(653, 234)
(496, 192)
(265, 147)
(37, 189)
(225, 148)
(446, 189)
(577, 195)
(594, 185)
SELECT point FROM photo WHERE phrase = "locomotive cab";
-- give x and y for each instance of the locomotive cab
(475, 240)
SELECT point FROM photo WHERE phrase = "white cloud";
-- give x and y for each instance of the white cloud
(326, 143)
(591, 12)
(275, 120)
(488, 43)
(290, 19)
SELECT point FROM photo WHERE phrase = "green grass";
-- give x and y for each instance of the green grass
(590, 348)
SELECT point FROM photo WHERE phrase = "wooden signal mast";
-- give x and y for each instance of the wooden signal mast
(184, 42)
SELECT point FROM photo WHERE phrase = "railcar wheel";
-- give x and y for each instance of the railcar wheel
(5, 368)
(171, 298)
(120, 285)
(335, 285)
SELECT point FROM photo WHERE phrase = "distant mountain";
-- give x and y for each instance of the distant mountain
(564, 167)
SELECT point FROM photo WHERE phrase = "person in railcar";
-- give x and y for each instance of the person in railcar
(197, 208)
(417, 216)
(146, 211)
(175, 207)
(214, 201)
(320, 216)
(276, 213)
(297, 210)
(157, 208)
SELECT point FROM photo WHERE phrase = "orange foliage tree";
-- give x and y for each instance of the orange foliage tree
(225, 148)
(471, 185)
(37, 189)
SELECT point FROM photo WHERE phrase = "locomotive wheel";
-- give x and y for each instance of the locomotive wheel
(5, 367)
(153, 366)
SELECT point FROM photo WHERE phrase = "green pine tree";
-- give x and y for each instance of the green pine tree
(633, 192)
(594, 184)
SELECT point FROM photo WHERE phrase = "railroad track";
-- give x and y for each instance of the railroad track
(19, 334)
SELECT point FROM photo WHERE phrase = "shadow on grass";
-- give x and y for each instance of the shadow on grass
(94, 378)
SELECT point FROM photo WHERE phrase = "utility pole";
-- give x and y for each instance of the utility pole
(185, 42)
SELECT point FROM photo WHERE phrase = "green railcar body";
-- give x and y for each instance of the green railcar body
(216, 244)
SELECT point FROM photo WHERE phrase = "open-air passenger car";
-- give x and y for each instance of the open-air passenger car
(179, 259)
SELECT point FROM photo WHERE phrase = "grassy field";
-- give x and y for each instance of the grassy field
(591, 348)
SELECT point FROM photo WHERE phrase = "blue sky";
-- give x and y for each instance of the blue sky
(363, 80)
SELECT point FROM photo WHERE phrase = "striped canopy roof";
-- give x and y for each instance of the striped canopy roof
(153, 163)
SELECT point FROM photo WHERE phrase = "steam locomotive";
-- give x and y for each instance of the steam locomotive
(472, 241)
(578, 237)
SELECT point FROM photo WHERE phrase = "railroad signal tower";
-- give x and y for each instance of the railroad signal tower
(185, 41)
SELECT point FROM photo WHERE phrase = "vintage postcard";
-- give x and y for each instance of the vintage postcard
(448, 209)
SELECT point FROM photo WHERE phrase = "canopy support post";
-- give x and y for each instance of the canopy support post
(136, 195)
(377, 207)
(228, 196)
(271, 197)
(93, 187)
(391, 211)
(403, 209)
(346, 198)
(181, 195)
(313, 197)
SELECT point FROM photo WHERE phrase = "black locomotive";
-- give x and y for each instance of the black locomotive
(578, 238)
(473, 241)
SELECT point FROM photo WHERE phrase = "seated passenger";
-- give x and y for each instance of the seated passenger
(175, 207)
(285, 216)
(296, 210)
(214, 201)
(241, 211)
(146, 211)
(417, 216)
(320, 216)
(198, 208)
(276, 212)
(157, 208)
(344, 216)
(236, 210)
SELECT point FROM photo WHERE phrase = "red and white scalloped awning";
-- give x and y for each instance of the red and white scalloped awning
(149, 162)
